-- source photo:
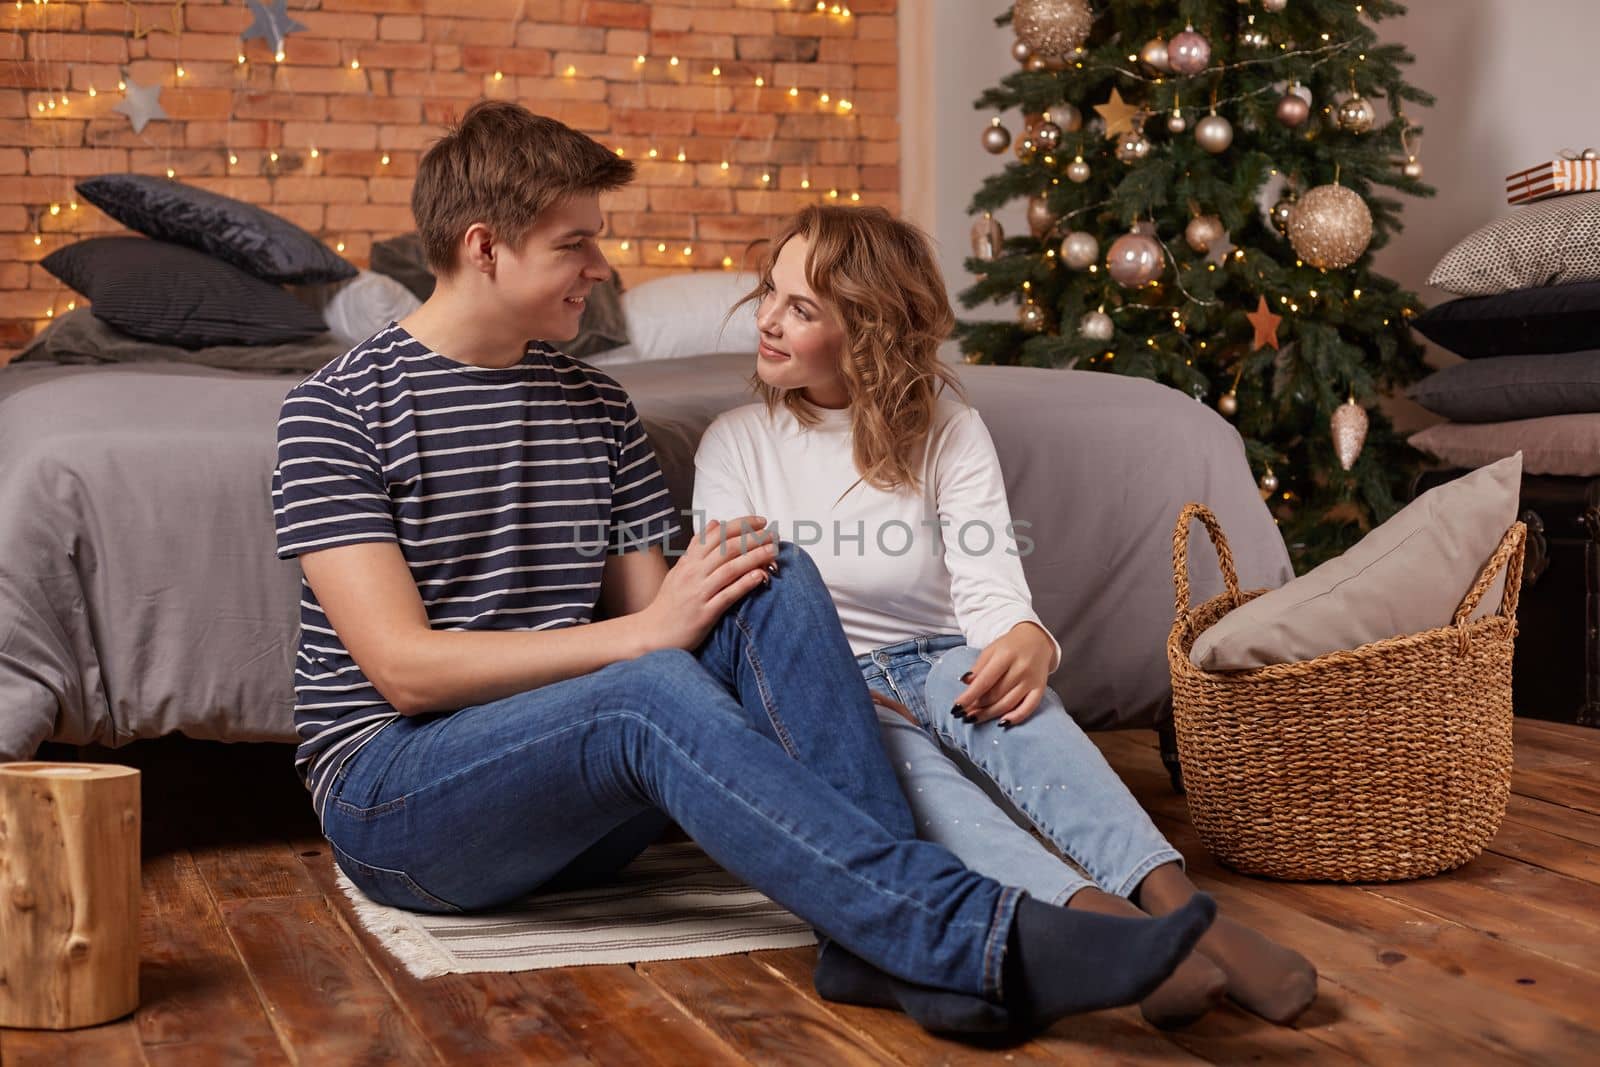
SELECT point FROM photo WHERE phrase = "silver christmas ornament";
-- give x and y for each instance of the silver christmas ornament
(1132, 148)
(1188, 52)
(1356, 115)
(1274, 6)
(996, 138)
(1201, 231)
(1079, 250)
(1281, 213)
(1349, 426)
(1031, 317)
(1228, 403)
(1412, 168)
(1330, 227)
(1154, 55)
(1097, 326)
(1176, 123)
(1134, 260)
(1293, 109)
(1051, 27)
(1040, 218)
(1214, 133)
(1048, 136)
(987, 237)
(1078, 171)
(1067, 116)
(1020, 51)
(1268, 483)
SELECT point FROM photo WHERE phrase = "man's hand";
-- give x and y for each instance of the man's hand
(1008, 681)
(721, 565)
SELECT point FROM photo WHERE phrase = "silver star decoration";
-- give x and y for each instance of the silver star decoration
(272, 23)
(1219, 251)
(141, 104)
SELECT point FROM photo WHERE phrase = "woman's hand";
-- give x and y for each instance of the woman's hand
(1008, 681)
(721, 565)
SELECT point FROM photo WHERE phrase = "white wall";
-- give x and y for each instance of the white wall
(1513, 80)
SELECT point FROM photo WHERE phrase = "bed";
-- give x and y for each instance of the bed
(140, 596)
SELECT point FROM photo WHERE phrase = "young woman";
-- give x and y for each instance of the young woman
(862, 451)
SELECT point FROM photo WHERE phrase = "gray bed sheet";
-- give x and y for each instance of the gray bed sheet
(140, 595)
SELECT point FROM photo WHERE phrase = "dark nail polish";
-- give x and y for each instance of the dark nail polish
(1004, 725)
(959, 712)
(773, 567)
(966, 679)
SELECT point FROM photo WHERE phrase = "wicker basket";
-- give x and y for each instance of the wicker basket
(1389, 761)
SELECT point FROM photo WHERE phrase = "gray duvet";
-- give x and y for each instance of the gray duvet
(140, 595)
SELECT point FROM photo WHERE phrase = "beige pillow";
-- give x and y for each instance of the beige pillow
(1554, 444)
(1406, 576)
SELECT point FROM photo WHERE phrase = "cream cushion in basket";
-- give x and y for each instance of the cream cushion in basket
(1406, 576)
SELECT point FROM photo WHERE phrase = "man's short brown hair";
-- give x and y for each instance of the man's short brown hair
(502, 165)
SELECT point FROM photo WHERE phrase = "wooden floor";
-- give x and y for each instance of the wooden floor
(250, 955)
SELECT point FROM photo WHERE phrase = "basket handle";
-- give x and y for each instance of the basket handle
(1509, 555)
(1180, 556)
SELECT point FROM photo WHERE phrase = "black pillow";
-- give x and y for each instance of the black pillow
(178, 296)
(1505, 388)
(1546, 318)
(252, 239)
(401, 259)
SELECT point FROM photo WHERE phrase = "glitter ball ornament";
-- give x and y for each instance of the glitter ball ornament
(1293, 109)
(1096, 326)
(1079, 250)
(1349, 426)
(1202, 231)
(1031, 317)
(1134, 260)
(1188, 52)
(1214, 133)
(1132, 148)
(1176, 123)
(1154, 55)
(1067, 116)
(987, 237)
(996, 138)
(1040, 217)
(1356, 115)
(1048, 135)
(1268, 483)
(1330, 227)
(1281, 212)
(1078, 171)
(1228, 403)
(1051, 27)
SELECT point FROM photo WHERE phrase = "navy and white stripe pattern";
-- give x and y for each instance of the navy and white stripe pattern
(505, 489)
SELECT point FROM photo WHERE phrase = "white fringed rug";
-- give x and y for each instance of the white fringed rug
(673, 902)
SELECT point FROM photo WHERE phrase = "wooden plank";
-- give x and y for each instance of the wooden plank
(762, 1017)
(468, 1018)
(253, 869)
(328, 1003)
(1554, 819)
(1111, 1037)
(1582, 741)
(1541, 848)
(191, 978)
(115, 1044)
(1559, 789)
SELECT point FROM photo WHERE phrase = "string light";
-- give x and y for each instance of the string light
(619, 150)
(805, 183)
(653, 153)
(661, 246)
(385, 159)
(499, 76)
(241, 59)
(673, 61)
(233, 160)
(279, 58)
(315, 153)
(171, 173)
(716, 71)
(339, 246)
(625, 245)
(724, 164)
(727, 261)
(760, 81)
(571, 70)
(355, 64)
(794, 90)
(182, 72)
(639, 59)
(766, 179)
(688, 250)
(93, 92)
(857, 197)
(273, 156)
(681, 156)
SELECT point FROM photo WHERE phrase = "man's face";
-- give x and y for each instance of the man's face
(545, 282)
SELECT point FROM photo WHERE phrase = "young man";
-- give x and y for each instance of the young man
(465, 503)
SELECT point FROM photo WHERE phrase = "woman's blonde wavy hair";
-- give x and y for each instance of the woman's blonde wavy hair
(879, 275)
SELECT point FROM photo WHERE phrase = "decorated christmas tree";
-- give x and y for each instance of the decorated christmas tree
(1206, 181)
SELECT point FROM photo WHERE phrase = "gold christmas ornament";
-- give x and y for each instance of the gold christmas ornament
(1037, 63)
(1040, 217)
(1330, 227)
(987, 237)
(1201, 231)
(1079, 250)
(1134, 260)
(1051, 27)
(1228, 403)
(1133, 148)
(1349, 426)
(1118, 114)
(1214, 133)
(1154, 55)
(1188, 52)
(1281, 211)
(1031, 317)
(1356, 114)
(996, 138)
(1097, 326)
(1078, 171)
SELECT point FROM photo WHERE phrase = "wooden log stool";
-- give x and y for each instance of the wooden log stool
(69, 894)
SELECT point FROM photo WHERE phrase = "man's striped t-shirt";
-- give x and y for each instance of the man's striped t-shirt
(505, 489)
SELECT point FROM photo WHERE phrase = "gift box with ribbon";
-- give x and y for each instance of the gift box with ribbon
(1570, 172)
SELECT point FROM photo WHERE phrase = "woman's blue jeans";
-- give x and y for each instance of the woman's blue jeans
(763, 745)
(1047, 771)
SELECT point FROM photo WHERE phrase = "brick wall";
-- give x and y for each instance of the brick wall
(330, 137)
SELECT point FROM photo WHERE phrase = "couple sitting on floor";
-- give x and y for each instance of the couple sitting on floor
(501, 681)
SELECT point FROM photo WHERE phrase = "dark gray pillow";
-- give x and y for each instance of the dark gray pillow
(1543, 318)
(178, 296)
(1503, 388)
(601, 329)
(79, 337)
(249, 237)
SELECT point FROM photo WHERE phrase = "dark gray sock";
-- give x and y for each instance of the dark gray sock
(845, 978)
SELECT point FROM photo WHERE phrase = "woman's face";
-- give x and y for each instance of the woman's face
(802, 340)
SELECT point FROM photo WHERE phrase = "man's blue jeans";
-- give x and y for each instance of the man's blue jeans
(763, 745)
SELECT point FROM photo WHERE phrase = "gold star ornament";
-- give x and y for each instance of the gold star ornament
(1266, 326)
(1118, 115)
